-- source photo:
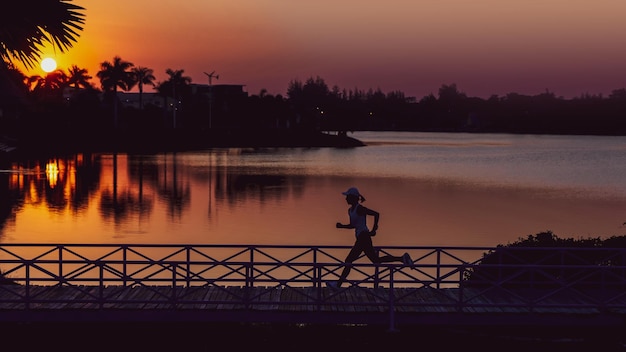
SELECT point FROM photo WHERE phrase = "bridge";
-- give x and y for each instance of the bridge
(460, 286)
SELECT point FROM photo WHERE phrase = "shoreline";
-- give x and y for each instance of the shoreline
(176, 141)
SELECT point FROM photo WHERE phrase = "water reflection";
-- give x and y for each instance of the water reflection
(128, 190)
(118, 205)
(292, 196)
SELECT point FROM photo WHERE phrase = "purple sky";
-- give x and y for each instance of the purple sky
(485, 47)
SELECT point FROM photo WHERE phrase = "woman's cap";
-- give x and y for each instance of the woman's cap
(352, 191)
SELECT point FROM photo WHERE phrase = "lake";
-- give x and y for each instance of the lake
(431, 189)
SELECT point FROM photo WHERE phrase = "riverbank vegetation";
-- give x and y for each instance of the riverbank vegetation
(546, 261)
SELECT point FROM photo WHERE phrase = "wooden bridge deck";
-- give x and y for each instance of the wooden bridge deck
(301, 305)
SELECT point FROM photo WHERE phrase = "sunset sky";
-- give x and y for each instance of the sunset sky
(485, 47)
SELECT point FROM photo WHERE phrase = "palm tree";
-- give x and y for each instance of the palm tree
(54, 81)
(28, 25)
(174, 86)
(78, 77)
(113, 75)
(143, 75)
(47, 91)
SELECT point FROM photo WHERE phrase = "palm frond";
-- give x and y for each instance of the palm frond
(28, 25)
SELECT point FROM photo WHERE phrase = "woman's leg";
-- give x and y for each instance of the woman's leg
(370, 252)
(353, 255)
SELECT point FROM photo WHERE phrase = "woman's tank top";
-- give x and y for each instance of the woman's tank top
(357, 220)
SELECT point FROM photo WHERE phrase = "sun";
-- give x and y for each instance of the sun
(48, 64)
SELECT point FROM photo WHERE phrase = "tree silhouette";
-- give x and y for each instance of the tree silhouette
(143, 76)
(78, 77)
(310, 100)
(174, 87)
(114, 75)
(48, 88)
(27, 25)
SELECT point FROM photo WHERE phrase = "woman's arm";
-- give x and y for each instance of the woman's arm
(373, 213)
(342, 226)
(376, 216)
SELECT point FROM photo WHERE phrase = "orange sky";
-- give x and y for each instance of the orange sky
(569, 47)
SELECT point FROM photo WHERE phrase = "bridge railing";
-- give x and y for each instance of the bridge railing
(229, 265)
(456, 278)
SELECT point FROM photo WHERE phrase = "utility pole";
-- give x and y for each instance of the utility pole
(211, 75)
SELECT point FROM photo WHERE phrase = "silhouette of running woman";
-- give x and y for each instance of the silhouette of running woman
(358, 221)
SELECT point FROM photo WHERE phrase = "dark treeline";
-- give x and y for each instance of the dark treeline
(453, 111)
(68, 108)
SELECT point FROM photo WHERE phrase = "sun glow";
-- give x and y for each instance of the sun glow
(48, 64)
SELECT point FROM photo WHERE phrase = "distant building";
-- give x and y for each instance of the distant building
(131, 100)
(220, 90)
(222, 94)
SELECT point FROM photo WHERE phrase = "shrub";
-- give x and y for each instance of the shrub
(546, 261)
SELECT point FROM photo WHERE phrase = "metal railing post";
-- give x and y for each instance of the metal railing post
(124, 263)
(60, 273)
(174, 269)
(317, 272)
(27, 293)
(377, 272)
(438, 269)
(187, 275)
(250, 270)
(101, 287)
(318, 282)
(392, 301)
